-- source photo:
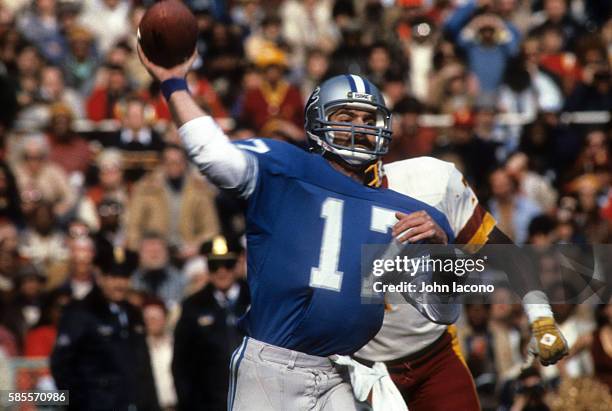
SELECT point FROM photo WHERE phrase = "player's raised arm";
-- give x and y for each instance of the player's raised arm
(207, 145)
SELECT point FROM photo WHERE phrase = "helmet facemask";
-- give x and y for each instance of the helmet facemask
(352, 141)
(356, 147)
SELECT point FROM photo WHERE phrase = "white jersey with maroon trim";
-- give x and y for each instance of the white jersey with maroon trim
(438, 183)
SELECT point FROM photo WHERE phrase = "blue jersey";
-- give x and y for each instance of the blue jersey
(306, 224)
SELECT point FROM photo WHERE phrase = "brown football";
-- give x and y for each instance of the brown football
(168, 33)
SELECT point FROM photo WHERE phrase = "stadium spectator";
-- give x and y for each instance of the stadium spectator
(112, 87)
(394, 87)
(595, 157)
(29, 63)
(594, 93)
(224, 56)
(66, 148)
(268, 35)
(101, 354)
(588, 217)
(506, 337)
(40, 339)
(477, 156)
(195, 271)
(38, 175)
(42, 242)
(82, 60)
(110, 237)
(449, 90)
(349, 56)
(207, 331)
(160, 344)
(136, 73)
(409, 138)
(315, 70)
(306, 25)
(10, 202)
(139, 143)
(530, 392)
(24, 311)
(40, 25)
(8, 348)
(80, 271)
(379, 62)
(531, 184)
(512, 210)
(205, 95)
(248, 15)
(10, 259)
(419, 50)
(488, 44)
(478, 347)
(107, 19)
(561, 63)
(275, 98)
(556, 13)
(155, 275)
(526, 90)
(175, 201)
(596, 342)
(53, 90)
(110, 184)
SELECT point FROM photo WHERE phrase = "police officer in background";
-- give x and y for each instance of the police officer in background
(207, 332)
(101, 355)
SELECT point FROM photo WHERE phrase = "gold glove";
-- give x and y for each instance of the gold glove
(549, 343)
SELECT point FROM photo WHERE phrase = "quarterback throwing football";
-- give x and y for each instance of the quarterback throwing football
(308, 215)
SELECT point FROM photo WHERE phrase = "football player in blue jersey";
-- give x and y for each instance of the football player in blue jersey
(308, 215)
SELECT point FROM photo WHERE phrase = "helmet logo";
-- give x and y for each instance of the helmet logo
(361, 96)
(314, 97)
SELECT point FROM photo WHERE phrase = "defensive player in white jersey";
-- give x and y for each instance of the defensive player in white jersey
(422, 357)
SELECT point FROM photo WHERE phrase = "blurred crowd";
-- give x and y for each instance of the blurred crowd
(516, 93)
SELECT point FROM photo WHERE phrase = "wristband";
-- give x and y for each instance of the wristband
(171, 85)
(536, 305)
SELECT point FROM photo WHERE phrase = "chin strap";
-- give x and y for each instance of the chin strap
(373, 175)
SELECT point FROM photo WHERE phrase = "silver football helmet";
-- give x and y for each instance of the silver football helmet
(352, 92)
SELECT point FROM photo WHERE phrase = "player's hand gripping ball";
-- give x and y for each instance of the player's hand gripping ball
(168, 33)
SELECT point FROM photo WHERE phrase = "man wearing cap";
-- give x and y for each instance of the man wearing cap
(275, 98)
(207, 331)
(100, 355)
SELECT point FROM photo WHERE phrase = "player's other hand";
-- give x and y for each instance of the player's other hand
(548, 342)
(418, 226)
(161, 73)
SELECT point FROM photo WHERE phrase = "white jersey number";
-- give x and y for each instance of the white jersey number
(256, 146)
(326, 275)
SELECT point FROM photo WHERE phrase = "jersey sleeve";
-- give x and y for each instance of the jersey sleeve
(270, 158)
(216, 157)
(470, 222)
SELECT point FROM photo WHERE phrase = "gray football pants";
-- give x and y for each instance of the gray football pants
(264, 377)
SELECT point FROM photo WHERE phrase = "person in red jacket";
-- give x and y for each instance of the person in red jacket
(101, 103)
(39, 341)
(274, 98)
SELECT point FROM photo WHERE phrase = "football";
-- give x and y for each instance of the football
(168, 33)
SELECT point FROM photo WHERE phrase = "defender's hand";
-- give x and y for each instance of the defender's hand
(161, 73)
(548, 342)
(418, 226)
